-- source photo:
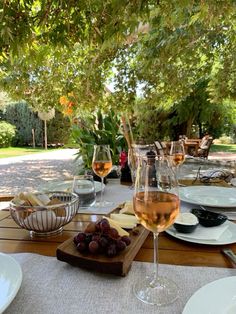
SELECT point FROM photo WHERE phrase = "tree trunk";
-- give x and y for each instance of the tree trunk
(189, 127)
(33, 138)
(45, 135)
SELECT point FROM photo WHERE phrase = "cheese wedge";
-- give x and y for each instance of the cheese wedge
(128, 208)
(115, 225)
(129, 219)
(126, 225)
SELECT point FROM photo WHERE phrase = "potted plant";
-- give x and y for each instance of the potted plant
(98, 128)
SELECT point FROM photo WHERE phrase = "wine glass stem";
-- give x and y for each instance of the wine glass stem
(176, 170)
(154, 281)
(102, 191)
(133, 175)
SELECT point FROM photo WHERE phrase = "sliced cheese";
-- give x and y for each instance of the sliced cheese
(126, 225)
(115, 225)
(124, 218)
(128, 208)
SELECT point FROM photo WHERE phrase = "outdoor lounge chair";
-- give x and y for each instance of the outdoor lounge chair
(204, 147)
(160, 147)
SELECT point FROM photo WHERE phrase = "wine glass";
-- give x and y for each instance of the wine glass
(177, 155)
(156, 205)
(102, 164)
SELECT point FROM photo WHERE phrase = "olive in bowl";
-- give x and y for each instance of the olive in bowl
(209, 219)
(186, 223)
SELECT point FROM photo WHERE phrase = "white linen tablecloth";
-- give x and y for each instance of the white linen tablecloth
(50, 286)
(115, 193)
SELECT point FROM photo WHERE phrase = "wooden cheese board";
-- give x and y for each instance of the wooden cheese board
(118, 265)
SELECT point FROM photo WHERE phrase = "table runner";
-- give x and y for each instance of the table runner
(50, 286)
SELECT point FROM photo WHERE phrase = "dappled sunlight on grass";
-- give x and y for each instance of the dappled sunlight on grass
(227, 148)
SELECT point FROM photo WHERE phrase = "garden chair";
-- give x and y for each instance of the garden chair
(204, 147)
(160, 147)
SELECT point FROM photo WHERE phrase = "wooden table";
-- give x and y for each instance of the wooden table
(191, 147)
(13, 239)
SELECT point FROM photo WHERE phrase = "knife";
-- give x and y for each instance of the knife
(230, 254)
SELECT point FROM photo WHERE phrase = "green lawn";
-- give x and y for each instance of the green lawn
(227, 148)
(20, 151)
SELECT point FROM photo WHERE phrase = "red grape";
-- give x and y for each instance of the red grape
(93, 247)
(120, 245)
(103, 242)
(81, 247)
(126, 240)
(100, 238)
(88, 238)
(104, 225)
(80, 237)
(96, 237)
(113, 233)
(111, 250)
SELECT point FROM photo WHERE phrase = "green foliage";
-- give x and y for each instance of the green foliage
(192, 116)
(24, 120)
(166, 45)
(7, 133)
(151, 123)
(98, 128)
(58, 129)
(169, 47)
(224, 139)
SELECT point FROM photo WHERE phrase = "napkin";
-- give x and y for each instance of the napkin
(205, 233)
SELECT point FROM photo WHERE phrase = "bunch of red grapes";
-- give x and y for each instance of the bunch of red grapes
(100, 237)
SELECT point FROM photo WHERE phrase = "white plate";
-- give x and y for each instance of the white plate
(233, 181)
(213, 196)
(65, 186)
(10, 280)
(229, 236)
(217, 297)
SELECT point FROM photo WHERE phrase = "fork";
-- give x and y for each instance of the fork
(230, 254)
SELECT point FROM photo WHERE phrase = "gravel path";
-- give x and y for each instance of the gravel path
(29, 172)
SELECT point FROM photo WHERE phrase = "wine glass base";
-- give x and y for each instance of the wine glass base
(162, 293)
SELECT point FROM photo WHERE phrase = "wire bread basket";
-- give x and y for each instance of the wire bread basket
(49, 219)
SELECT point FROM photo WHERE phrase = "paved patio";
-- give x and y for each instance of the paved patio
(222, 156)
(31, 171)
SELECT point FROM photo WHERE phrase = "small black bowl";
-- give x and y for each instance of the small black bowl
(184, 226)
(209, 219)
